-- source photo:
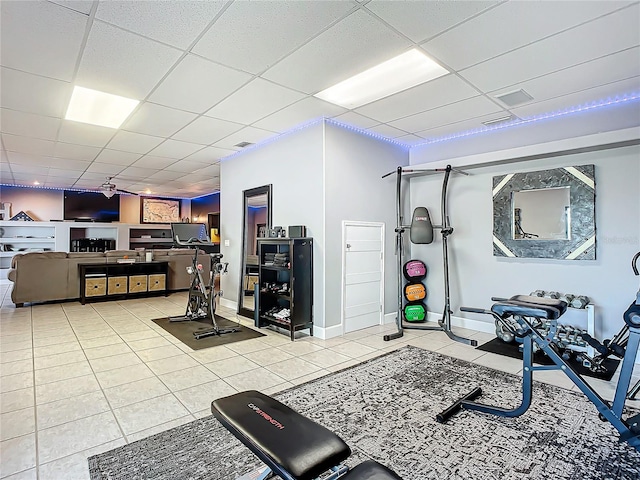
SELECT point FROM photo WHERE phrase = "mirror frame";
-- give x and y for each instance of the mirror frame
(246, 194)
(582, 195)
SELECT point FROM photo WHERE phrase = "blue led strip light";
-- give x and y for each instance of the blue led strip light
(61, 189)
(612, 101)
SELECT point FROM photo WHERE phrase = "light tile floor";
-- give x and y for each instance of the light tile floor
(79, 380)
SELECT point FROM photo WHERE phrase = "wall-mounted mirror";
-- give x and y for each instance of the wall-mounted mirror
(545, 214)
(256, 212)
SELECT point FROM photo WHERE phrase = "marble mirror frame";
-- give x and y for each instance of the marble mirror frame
(582, 194)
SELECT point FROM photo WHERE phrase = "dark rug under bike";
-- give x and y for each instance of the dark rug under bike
(385, 409)
(512, 350)
(183, 331)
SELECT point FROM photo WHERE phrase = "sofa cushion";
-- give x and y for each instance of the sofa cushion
(37, 256)
(85, 254)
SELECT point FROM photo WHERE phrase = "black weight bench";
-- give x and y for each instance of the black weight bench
(290, 444)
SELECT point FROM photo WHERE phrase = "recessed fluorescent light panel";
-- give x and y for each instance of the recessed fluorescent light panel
(99, 108)
(400, 73)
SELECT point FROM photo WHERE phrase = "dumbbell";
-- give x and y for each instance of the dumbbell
(553, 295)
(567, 297)
(581, 301)
(537, 293)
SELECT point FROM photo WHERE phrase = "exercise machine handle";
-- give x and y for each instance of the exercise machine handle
(634, 263)
(474, 310)
(600, 348)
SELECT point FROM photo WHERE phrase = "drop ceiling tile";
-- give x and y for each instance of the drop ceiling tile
(70, 175)
(422, 20)
(137, 173)
(254, 101)
(570, 48)
(175, 149)
(164, 175)
(85, 134)
(29, 159)
(455, 112)
(605, 70)
(583, 98)
(252, 36)
(157, 120)
(209, 154)
(247, 134)
(410, 139)
(104, 67)
(211, 170)
(387, 131)
(177, 23)
(542, 19)
(117, 157)
(108, 169)
(25, 179)
(356, 120)
(185, 166)
(134, 142)
(151, 161)
(53, 29)
(28, 124)
(70, 164)
(82, 6)
(19, 168)
(75, 152)
(57, 182)
(33, 94)
(351, 46)
(306, 110)
(429, 95)
(190, 179)
(454, 130)
(206, 130)
(35, 146)
(92, 179)
(196, 84)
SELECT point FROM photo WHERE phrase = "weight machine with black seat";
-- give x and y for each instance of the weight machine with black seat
(421, 232)
(526, 312)
(201, 303)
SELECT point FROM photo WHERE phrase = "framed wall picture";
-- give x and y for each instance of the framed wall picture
(159, 210)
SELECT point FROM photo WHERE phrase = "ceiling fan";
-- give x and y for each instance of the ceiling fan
(109, 189)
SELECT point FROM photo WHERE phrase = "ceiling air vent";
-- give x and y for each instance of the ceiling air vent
(243, 144)
(496, 121)
(512, 99)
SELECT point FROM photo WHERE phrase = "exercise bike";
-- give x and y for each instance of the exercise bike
(525, 312)
(201, 303)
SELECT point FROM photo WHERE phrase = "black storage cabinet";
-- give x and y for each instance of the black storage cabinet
(296, 275)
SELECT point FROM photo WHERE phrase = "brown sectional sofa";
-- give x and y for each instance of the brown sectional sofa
(49, 276)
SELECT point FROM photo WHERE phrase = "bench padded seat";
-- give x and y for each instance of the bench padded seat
(545, 308)
(302, 447)
(370, 470)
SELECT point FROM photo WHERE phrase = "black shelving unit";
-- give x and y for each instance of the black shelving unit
(286, 283)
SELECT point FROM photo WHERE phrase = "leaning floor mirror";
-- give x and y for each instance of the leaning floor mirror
(545, 214)
(256, 213)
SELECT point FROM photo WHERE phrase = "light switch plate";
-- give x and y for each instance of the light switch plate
(226, 243)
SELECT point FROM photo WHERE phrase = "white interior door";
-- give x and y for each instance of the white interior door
(362, 275)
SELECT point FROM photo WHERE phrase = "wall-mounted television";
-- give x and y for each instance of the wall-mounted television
(91, 207)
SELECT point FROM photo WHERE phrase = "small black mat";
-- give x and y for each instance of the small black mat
(183, 331)
(512, 350)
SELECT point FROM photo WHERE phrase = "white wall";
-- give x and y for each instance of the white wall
(476, 274)
(355, 190)
(292, 164)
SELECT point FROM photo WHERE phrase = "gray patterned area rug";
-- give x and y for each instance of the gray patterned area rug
(385, 408)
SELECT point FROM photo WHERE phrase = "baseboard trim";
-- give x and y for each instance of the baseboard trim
(325, 333)
(228, 303)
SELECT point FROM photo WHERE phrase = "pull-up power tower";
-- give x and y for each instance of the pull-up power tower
(421, 232)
